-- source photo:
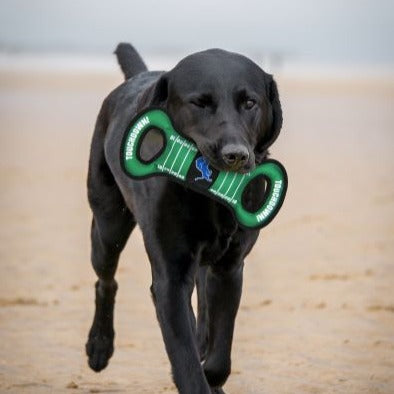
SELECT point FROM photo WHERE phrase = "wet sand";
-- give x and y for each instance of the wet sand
(317, 313)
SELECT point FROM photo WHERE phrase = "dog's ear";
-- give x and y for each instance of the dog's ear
(156, 95)
(160, 92)
(273, 122)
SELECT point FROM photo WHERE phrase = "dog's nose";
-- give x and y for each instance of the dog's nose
(235, 155)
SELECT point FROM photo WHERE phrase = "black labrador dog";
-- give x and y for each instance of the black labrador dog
(230, 108)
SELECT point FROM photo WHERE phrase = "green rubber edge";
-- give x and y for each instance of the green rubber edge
(228, 186)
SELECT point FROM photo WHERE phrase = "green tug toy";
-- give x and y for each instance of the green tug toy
(180, 159)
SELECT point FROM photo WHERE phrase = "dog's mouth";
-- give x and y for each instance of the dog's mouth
(220, 165)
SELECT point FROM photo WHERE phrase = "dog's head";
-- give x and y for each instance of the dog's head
(226, 104)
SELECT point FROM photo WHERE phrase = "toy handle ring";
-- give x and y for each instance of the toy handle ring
(276, 177)
(160, 122)
(163, 125)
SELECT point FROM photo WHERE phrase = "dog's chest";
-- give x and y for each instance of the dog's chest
(213, 227)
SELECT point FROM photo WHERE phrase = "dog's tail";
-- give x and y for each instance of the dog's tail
(129, 60)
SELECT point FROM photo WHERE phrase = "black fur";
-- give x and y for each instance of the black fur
(216, 98)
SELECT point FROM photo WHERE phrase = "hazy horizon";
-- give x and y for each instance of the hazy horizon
(351, 32)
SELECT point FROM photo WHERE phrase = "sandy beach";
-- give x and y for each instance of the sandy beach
(317, 313)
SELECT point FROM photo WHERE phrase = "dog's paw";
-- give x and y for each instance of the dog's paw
(216, 371)
(99, 349)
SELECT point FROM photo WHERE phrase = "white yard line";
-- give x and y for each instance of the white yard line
(234, 177)
(169, 153)
(240, 183)
(225, 177)
(176, 157)
(183, 162)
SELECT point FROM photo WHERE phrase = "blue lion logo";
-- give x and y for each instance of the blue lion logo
(202, 165)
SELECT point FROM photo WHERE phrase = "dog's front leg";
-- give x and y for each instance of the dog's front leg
(173, 274)
(223, 292)
(223, 288)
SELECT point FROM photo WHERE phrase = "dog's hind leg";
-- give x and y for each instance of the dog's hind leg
(111, 226)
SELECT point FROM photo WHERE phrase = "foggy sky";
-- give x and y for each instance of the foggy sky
(345, 31)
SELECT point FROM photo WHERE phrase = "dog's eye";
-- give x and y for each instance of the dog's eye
(201, 102)
(198, 103)
(249, 104)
